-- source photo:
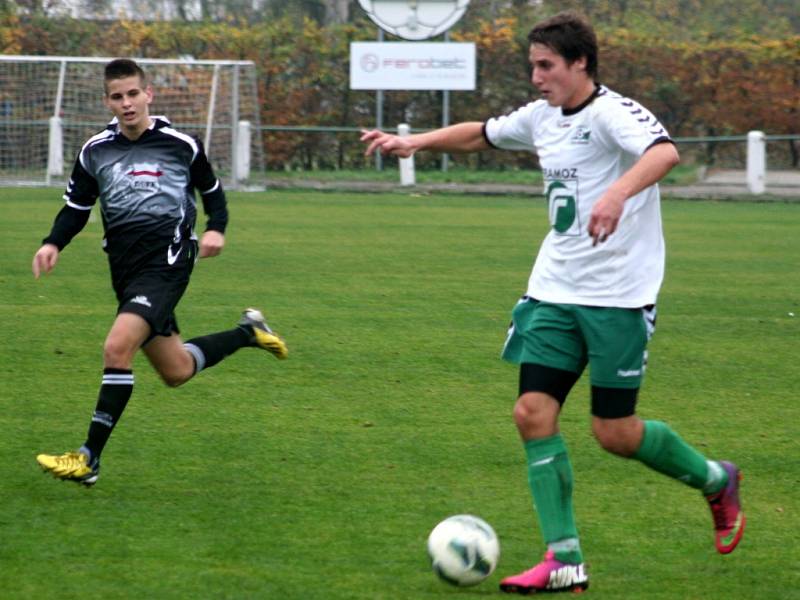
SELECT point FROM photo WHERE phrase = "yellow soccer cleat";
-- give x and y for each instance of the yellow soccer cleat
(262, 336)
(71, 466)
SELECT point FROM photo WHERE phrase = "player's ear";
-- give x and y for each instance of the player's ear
(149, 93)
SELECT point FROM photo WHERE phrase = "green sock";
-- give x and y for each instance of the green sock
(550, 479)
(664, 451)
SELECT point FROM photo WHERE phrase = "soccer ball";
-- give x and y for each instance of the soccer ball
(464, 550)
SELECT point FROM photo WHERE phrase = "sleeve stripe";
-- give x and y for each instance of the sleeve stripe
(213, 189)
(486, 137)
(71, 204)
(104, 136)
(660, 140)
(182, 136)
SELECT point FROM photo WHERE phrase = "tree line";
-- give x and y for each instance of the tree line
(698, 84)
(671, 18)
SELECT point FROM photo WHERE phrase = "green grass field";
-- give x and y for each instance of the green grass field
(321, 476)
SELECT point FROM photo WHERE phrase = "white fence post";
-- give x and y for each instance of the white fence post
(407, 176)
(756, 162)
(241, 170)
(55, 149)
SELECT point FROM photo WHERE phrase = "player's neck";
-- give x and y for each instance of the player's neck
(135, 132)
(582, 93)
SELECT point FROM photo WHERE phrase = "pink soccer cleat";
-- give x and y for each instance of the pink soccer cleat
(550, 575)
(727, 511)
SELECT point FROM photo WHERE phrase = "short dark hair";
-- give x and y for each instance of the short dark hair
(571, 36)
(119, 68)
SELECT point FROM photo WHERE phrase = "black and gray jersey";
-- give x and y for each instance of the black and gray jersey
(146, 187)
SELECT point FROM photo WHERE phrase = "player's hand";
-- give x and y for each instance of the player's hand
(386, 143)
(605, 216)
(45, 259)
(211, 243)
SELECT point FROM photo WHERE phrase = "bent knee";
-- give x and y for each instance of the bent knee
(175, 379)
(623, 440)
(536, 415)
(117, 355)
(527, 413)
(521, 413)
(615, 445)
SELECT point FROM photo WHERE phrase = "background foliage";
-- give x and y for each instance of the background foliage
(704, 68)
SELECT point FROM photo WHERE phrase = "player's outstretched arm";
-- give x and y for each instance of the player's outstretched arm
(45, 259)
(462, 137)
(211, 243)
(648, 170)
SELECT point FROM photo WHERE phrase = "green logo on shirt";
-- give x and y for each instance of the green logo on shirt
(581, 135)
(562, 206)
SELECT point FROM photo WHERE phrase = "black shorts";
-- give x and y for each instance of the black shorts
(152, 285)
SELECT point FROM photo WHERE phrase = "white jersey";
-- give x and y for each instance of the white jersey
(582, 152)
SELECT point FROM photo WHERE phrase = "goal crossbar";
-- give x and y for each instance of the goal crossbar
(104, 60)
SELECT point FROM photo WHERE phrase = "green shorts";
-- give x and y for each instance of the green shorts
(612, 341)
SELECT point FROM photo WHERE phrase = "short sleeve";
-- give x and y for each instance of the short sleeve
(630, 126)
(513, 131)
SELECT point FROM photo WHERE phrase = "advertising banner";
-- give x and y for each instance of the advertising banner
(412, 66)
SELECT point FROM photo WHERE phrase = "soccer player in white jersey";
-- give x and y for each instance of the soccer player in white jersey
(145, 174)
(591, 295)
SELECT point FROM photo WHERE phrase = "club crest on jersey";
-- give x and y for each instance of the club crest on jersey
(581, 135)
(562, 201)
(144, 176)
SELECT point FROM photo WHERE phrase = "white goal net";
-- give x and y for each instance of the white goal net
(49, 106)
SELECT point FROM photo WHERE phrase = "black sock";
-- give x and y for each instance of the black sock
(208, 350)
(114, 394)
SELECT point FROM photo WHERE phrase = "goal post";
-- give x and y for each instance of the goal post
(50, 105)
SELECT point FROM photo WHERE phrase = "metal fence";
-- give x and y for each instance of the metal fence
(338, 148)
(334, 148)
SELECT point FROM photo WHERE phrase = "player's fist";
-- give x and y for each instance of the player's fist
(211, 243)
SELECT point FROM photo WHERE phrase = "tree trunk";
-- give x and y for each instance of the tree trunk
(337, 11)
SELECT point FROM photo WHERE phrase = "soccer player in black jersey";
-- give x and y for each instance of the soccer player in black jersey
(145, 174)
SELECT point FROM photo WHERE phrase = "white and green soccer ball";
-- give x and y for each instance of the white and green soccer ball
(464, 550)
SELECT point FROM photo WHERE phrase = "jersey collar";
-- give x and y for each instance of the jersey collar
(156, 122)
(598, 90)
